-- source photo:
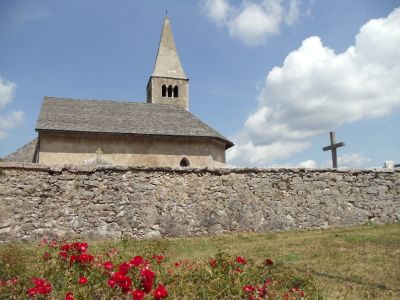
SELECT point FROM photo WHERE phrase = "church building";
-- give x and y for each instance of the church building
(158, 132)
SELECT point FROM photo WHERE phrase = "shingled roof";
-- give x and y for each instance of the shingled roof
(25, 154)
(117, 117)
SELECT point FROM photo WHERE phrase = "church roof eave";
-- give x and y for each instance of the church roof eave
(122, 118)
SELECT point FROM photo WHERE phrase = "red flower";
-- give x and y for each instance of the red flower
(73, 258)
(69, 296)
(108, 265)
(111, 282)
(66, 247)
(160, 292)
(159, 258)
(31, 292)
(241, 260)
(125, 284)
(42, 287)
(293, 292)
(177, 264)
(298, 291)
(213, 263)
(46, 256)
(121, 280)
(85, 258)
(118, 276)
(147, 279)
(138, 295)
(268, 262)
(262, 292)
(63, 254)
(83, 280)
(124, 268)
(81, 247)
(248, 288)
(137, 261)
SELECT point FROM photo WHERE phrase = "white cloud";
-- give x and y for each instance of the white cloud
(246, 153)
(11, 119)
(7, 92)
(309, 164)
(352, 160)
(316, 90)
(217, 10)
(293, 12)
(253, 21)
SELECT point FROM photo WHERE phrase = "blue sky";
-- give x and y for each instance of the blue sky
(274, 76)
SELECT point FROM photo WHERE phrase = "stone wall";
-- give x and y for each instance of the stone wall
(108, 202)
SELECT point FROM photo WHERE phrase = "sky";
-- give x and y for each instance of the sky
(273, 76)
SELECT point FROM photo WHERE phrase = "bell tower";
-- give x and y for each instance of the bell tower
(168, 84)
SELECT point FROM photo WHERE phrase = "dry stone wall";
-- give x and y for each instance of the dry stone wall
(110, 202)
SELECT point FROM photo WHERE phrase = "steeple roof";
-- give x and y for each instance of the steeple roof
(167, 61)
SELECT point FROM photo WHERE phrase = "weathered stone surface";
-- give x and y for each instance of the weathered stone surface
(110, 202)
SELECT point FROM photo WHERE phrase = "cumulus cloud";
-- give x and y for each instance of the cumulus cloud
(253, 21)
(7, 92)
(217, 10)
(353, 160)
(309, 164)
(316, 90)
(13, 118)
(262, 155)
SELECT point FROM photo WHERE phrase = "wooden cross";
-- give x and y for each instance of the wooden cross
(333, 147)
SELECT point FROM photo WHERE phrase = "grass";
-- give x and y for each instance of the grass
(345, 263)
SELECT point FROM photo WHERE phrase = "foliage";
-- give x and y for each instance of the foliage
(72, 271)
(344, 263)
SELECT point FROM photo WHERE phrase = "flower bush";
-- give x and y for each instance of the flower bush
(70, 271)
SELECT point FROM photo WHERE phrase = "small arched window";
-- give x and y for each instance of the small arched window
(176, 91)
(164, 90)
(184, 162)
(170, 91)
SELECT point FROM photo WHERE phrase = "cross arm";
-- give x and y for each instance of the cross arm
(334, 146)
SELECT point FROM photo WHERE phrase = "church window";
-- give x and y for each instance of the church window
(164, 90)
(175, 91)
(170, 91)
(184, 162)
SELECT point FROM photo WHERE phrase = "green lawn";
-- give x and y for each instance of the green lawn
(346, 263)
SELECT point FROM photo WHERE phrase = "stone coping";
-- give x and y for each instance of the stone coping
(218, 171)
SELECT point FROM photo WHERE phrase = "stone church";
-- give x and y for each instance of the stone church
(161, 132)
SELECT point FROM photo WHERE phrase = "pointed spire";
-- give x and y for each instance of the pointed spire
(167, 61)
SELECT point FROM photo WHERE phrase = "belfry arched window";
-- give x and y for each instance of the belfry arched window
(184, 162)
(176, 91)
(164, 90)
(170, 91)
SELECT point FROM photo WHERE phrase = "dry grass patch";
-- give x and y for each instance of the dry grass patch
(347, 263)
